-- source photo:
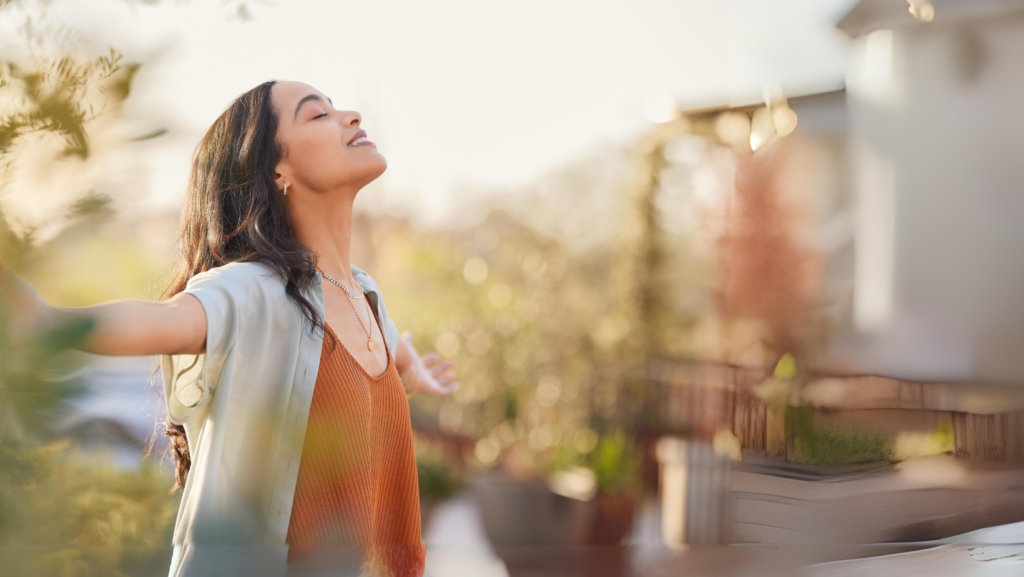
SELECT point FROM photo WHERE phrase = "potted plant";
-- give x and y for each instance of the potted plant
(616, 465)
(607, 476)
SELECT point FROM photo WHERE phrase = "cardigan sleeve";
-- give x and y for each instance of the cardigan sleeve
(190, 380)
(391, 335)
(387, 325)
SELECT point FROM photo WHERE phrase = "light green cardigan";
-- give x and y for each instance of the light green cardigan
(244, 405)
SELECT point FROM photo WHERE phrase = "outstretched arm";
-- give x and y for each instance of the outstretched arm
(125, 327)
(427, 374)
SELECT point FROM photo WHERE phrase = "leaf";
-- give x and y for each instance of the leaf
(151, 135)
(121, 86)
(91, 205)
(786, 367)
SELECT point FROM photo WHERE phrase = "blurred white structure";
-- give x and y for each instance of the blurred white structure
(935, 149)
(695, 493)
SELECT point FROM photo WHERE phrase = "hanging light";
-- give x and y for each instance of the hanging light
(784, 119)
(776, 118)
(922, 10)
(762, 127)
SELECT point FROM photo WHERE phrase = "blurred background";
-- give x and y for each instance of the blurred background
(732, 287)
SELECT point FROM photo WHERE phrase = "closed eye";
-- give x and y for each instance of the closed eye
(319, 116)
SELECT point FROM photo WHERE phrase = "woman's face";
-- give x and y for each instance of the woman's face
(325, 148)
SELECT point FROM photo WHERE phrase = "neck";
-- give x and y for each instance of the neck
(323, 222)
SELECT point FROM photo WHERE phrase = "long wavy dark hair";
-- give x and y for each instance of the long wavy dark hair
(234, 212)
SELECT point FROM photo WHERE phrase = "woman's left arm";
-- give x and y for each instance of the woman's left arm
(428, 374)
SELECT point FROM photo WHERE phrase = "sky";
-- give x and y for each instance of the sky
(459, 95)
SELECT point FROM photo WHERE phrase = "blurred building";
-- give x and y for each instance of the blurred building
(912, 175)
(935, 154)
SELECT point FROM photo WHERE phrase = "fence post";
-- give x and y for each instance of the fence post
(696, 493)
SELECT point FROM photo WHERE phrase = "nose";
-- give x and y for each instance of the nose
(351, 118)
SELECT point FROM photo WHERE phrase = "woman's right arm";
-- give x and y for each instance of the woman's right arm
(125, 327)
(135, 327)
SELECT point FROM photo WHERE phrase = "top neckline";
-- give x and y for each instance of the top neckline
(387, 350)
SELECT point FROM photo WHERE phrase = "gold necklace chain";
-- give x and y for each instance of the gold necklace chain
(335, 281)
(369, 313)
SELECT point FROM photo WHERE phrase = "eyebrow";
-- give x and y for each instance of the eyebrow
(306, 99)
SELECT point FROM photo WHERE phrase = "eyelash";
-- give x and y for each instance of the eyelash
(319, 115)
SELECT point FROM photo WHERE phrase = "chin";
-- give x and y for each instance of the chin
(380, 166)
(372, 172)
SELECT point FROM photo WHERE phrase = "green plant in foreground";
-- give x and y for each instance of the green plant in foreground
(811, 445)
(79, 515)
(64, 512)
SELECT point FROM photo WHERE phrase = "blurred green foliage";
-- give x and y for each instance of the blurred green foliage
(54, 98)
(79, 515)
(812, 445)
(439, 475)
(63, 511)
(516, 310)
(545, 330)
(31, 388)
(614, 460)
(942, 439)
(616, 464)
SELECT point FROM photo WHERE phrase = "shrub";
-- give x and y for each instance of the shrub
(828, 448)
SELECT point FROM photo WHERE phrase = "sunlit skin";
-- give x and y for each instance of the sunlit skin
(324, 174)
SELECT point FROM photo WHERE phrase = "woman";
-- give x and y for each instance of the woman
(284, 378)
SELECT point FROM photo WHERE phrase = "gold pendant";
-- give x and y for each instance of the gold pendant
(369, 344)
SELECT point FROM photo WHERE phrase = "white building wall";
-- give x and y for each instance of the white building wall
(936, 117)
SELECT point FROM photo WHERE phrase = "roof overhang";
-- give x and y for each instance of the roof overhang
(869, 15)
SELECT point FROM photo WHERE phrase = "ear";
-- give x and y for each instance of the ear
(282, 174)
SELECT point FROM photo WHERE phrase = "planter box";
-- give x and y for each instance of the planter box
(933, 498)
(527, 513)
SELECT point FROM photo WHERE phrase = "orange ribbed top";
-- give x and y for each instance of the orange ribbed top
(357, 484)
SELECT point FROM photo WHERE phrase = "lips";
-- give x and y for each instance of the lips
(359, 140)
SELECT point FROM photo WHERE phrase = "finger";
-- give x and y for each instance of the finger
(442, 367)
(438, 391)
(449, 375)
(430, 359)
(445, 379)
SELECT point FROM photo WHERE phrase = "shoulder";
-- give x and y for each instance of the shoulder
(239, 274)
(235, 290)
(239, 279)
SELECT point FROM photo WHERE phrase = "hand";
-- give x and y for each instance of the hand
(428, 374)
(26, 310)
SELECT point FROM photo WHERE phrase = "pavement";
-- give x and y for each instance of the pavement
(456, 543)
(457, 547)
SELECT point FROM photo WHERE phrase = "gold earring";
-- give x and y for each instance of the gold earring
(286, 188)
